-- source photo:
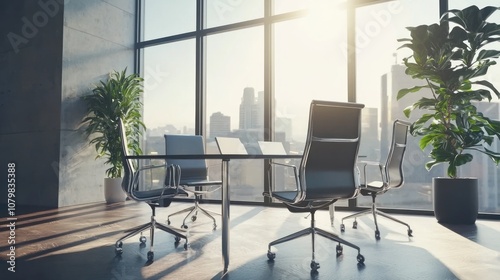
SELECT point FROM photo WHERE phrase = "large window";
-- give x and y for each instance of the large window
(220, 75)
(234, 102)
(379, 75)
(167, 18)
(310, 62)
(481, 166)
(300, 41)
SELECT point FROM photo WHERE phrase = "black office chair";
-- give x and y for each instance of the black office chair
(159, 197)
(327, 170)
(391, 174)
(194, 173)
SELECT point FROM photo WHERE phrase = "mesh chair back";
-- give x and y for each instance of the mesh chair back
(394, 163)
(328, 167)
(192, 169)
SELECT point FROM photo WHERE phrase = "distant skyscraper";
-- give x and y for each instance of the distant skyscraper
(369, 146)
(251, 110)
(251, 123)
(283, 126)
(220, 125)
(482, 166)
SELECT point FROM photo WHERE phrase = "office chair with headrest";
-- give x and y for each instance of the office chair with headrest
(194, 173)
(159, 197)
(327, 170)
(391, 176)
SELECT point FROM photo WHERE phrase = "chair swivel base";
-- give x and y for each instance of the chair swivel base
(194, 209)
(375, 213)
(142, 239)
(312, 230)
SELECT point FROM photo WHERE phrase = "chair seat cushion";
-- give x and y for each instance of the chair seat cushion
(286, 196)
(303, 206)
(198, 183)
(372, 187)
(157, 193)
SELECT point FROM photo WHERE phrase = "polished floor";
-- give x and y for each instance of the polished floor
(78, 243)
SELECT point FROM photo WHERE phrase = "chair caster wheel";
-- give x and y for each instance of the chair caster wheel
(215, 227)
(193, 218)
(118, 251)
(184, 226)
(410, 232)
(314, 266)
(151, 256)
(360, 259)
(377, 235)
(271, 255)
(355, 224)
(177, 239)
(342, 228)
(186, 246)
(142, 239)
(168, 222)
(339, 250)
(118, 248)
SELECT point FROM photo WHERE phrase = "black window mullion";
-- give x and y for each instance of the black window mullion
(268, 93)
(200, 127)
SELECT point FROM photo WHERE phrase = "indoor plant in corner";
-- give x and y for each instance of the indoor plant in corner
(117, 98)
(450, 57)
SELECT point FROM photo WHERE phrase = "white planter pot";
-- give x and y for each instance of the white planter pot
(113, 191)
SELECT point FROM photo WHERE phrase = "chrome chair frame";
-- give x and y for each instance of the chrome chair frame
(391, 174)
(194, 177)
(160, 197)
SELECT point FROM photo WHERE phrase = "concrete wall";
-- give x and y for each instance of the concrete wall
(98, 38)
(30, 103)
(43, 74)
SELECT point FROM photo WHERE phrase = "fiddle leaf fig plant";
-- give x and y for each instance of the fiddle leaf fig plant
(452, 64)
(117, 98)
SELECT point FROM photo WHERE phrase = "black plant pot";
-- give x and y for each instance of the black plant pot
(455, 200)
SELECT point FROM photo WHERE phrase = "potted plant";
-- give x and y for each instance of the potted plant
(117, 98)
(451, 64)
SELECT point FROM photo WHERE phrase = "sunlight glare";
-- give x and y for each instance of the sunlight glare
(325, 20)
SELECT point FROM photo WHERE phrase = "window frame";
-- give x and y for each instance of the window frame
(267, 22)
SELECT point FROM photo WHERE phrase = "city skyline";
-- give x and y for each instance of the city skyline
(376, 133)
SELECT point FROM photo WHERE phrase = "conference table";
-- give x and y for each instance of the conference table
(225, 158)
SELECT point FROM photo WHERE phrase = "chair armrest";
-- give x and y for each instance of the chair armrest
(366, 164)
(295, 173)
(170, 183)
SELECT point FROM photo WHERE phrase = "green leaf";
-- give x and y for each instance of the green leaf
(484, 54)
(489, 85)
(462, 159)
(405, 91)
(452, 171)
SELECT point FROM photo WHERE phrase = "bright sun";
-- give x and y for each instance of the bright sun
(326, 19)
